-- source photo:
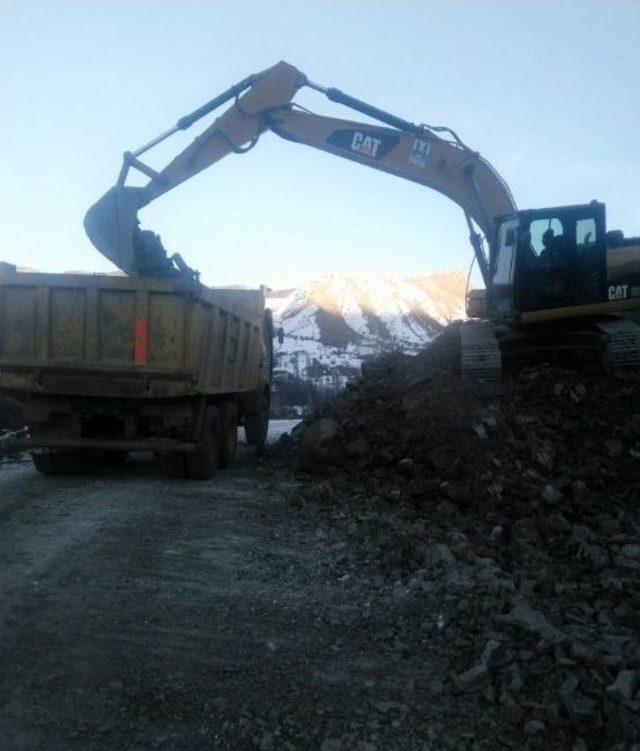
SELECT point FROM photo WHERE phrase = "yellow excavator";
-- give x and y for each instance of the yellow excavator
(556, 281)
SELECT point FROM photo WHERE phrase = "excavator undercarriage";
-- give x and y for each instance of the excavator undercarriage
(488, 350)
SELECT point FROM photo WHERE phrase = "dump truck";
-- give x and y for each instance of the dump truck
(111, 364)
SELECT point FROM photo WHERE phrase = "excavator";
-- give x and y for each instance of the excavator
(556, 281)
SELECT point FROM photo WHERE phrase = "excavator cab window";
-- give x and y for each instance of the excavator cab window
(560, 257)
(546, 240)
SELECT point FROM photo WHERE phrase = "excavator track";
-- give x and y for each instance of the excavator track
(480, 353)
(621, 344)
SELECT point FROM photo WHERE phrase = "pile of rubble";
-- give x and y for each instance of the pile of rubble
(517, 516)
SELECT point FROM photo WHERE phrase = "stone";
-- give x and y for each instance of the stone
(535, 727)
(447, 509)
(357, 448)
(569, 686)
(551, 495)
(473, 679)
(406, 466)
(437, 555)
(319, 433)
(530, 621)
(440, 457)
(580, 707)
(630, 551)
(480, 430)
(557, 522)
(624, 686)
(331, 744)
(544, 457)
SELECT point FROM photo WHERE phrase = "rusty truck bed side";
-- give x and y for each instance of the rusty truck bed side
(110, 336)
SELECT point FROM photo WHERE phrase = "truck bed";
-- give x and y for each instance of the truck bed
(116, 336)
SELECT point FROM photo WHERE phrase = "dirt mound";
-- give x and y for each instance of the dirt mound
(515, 515)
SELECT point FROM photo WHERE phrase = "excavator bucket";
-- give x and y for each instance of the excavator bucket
(111, 224)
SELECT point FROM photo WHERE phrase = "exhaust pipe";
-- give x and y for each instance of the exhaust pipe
(112, 226)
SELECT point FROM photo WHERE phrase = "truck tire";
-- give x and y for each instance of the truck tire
(114, 456)
(256, 425)
(229, 433)
(175, 465)
(62, 462)
(202, 464)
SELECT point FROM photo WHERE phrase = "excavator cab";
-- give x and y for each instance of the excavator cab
(549, 258)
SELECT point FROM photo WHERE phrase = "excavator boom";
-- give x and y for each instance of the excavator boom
(264, 102)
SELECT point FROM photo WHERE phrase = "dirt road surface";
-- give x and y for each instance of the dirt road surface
(138, 612)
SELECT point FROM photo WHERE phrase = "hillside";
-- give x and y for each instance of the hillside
(334, 323)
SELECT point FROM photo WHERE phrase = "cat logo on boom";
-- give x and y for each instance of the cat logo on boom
(370, 143)
(365, 145)
(618, 292)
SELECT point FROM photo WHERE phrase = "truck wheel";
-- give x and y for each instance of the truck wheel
(175, 465)
(45, 463)
(202, 465)
(114, 456)
(229, 433)
(256, 425)
(63, 462)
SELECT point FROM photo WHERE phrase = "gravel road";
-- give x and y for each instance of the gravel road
(139, 612)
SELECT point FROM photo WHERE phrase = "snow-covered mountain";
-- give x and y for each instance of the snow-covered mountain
(332, 324)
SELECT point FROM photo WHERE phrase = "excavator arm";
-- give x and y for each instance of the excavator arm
(264, 102)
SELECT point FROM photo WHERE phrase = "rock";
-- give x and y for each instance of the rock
(318, 434)
(446, 509)
(627, 563)
(613, 447)
(535, 727)
(530, 621)
(357, 448)
(331, 744)
(624, 686)
(474, 679)
(480, 430)
(580, 707)
(525, 529)
(544, 457)
(551, 495)
(630, 551)
(557, 522)
(490, 652)
(440, 457)
(437, 554)
(569, 686)
(406, 466)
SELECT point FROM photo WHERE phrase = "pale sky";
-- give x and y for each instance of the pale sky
(546, 91)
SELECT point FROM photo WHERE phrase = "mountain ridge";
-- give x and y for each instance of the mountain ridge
(334, 323)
